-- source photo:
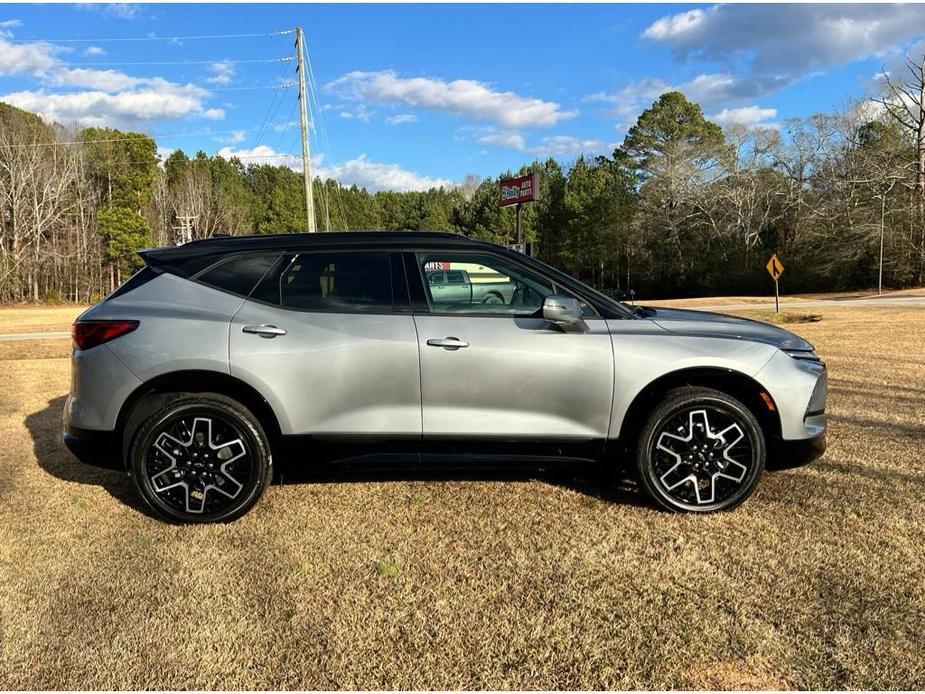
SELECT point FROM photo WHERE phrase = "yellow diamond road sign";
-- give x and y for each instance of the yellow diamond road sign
(775, 267)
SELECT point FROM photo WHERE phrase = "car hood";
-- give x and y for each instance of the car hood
(704, 324)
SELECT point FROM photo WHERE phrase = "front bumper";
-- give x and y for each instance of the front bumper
(97, 448)
(795, 453)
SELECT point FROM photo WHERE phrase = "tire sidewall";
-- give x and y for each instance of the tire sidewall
(216, 407)
(671, 406)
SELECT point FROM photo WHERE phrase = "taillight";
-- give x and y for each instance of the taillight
(90, 333)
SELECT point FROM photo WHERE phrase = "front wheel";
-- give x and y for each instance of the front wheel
(202, 458)
(701, 450)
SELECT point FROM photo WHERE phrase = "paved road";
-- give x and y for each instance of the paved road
(869, 301)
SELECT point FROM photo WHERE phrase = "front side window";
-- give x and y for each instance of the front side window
(481, 283)
(333, 281)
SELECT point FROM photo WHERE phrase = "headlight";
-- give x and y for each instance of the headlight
(803, 355)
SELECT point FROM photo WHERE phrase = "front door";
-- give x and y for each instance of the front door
(495, 368)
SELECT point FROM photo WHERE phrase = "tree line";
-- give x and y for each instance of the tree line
(681, 207)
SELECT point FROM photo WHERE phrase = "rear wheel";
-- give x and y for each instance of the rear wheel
(700, 450)
(201, 458)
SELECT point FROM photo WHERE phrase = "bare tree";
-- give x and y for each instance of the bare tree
(905, 102)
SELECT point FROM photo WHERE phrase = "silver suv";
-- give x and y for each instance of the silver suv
(222, 354)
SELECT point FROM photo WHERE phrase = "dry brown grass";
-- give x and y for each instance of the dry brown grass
(35, 319)
(481, 581)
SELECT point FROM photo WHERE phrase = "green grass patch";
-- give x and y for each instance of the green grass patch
(386, 568)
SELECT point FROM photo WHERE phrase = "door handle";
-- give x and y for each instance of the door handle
(450, 343)
(267, 331)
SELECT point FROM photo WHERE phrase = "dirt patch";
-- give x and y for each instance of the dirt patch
(408, 579)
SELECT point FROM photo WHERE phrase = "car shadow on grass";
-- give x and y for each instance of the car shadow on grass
(51, 455)
(45, 429)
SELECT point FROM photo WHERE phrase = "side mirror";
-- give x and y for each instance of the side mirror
(565, 312)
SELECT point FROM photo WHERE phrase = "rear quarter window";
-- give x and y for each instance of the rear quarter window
(239, 275)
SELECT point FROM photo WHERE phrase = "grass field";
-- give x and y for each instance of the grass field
(415, 579)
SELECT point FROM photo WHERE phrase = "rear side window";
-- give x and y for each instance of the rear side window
(239, 275)
(141, 277)
(332, 281)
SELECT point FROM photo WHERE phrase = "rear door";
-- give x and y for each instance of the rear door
(499, 370)
(328, 335)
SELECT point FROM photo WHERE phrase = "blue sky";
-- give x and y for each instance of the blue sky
(416, 95)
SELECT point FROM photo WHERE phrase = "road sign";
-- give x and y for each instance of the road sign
(517, 190)
(775, 267)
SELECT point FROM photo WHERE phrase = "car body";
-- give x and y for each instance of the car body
(332, 342)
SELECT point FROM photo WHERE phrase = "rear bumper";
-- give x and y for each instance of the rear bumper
(92, 447)
(787, 454)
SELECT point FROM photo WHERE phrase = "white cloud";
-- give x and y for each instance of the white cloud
(221, 71)
(234, 137)
(120, 10)
(750, 116)
(104, 80)
(122, 109)
(287, 125)
(464, 98)
(400, 118)
(764, 48)
(713, 91)
(26, 58)
(794, 37)
(377, 176)
(112, 97)
(362, 172)
(361, 113)
(675, 25)
(94, 50)
(262, 154)
(569, 146)
(10, 24)
(513, 140)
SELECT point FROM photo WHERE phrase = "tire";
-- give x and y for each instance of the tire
(202, 458)
(493, 298)
(686, 455)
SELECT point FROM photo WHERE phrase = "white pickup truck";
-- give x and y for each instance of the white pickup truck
(456, 287)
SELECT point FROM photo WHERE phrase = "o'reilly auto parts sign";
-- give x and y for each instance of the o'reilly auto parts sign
(521, 189)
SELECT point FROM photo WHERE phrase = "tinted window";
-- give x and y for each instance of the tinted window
(337, 281)
(141, 277)
(239, 275)
(481, 283)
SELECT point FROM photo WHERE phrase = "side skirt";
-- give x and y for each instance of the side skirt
(441, 452)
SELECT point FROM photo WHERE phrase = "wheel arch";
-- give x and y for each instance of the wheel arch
(734, 383)
(144, 400)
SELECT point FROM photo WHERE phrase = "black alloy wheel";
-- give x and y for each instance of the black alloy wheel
(203, 458)
(701, 450)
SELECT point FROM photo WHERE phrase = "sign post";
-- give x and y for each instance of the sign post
(775, 269)
(516, 191)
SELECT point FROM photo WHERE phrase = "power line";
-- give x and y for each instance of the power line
(116, 139)
(153, 38)
(284, 85)
(313, 85)
(235, 61)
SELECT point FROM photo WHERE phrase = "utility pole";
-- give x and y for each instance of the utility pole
(185, 228)
(303, 115)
